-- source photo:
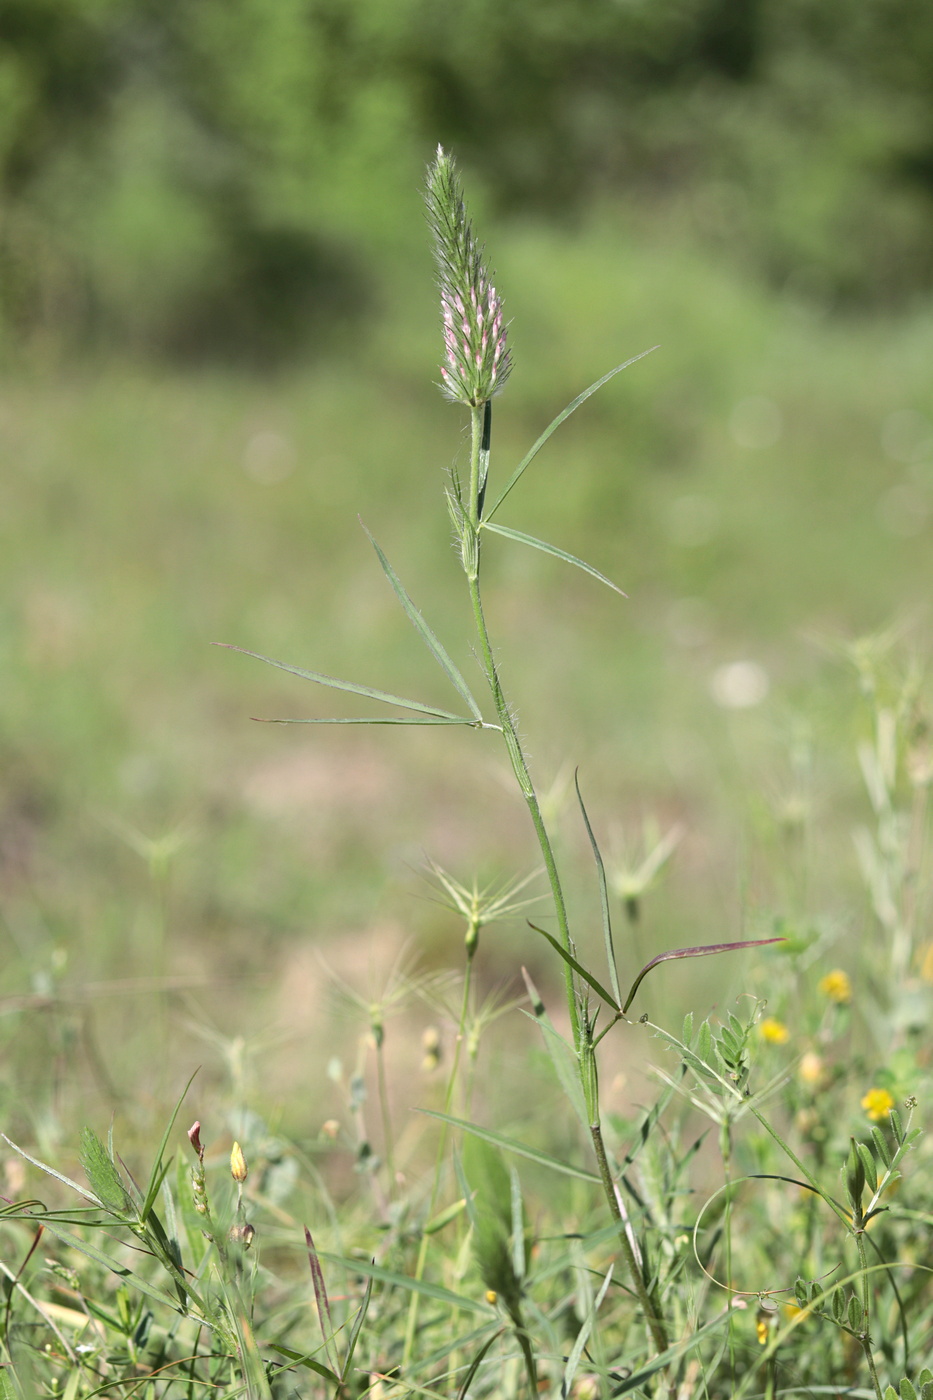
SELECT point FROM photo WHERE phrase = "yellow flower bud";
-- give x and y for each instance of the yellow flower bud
(238, 1168)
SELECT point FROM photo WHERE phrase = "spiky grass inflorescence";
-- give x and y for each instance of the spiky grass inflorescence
(477, 361)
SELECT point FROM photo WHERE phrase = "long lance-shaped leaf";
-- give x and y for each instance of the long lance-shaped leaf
(552, 428)
(546, 548)
(368, 691)
(475, 1364)
(374, 719)
(356, 1329)
(562, 1056)
(300, 1358)
(432, 642)
(700, 952)
(413, 1285)
(578, 967)
(323, 1303)
(521, 1149)
(603, 898)
(573, 1360)
(158, 1173)
(50, 1171)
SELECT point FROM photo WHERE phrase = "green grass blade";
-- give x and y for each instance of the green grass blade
(324, 1318)
(454, 719)
(50, 1171)
(158, 1171)
(300, 1358)
(583, 1336)
(413, 1285)
(553, 426)
(371, 694)
(521, 1149)
(603, 898)
(431, 641)
(475, 1364)
(674, 1353)
(578, 967)
(356, 1329)
(562, 1056)
(546, 548)
(111, 1265)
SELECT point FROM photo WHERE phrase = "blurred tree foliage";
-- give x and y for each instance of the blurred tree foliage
(204, 176)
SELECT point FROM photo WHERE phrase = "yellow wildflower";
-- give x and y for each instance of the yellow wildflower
(773, 1031)
(836, 986)
(877, 1103)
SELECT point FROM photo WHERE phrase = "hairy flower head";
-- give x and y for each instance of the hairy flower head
(836, 986)
(477, 360)
(773, 1031)
(877, 1103)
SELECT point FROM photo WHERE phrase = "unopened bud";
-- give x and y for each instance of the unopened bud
(238, 1168)
(194, 1137)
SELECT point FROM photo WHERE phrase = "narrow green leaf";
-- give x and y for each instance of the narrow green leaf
(637, 1379)
(554, 425)
(562, 1055)
(413, 1285)
(324, 1318)
(455, 719)
(521, 538)
(603, 898)
(431, 641)
(577, 967)
(573, 1360)
(50, 1171)
(158, 1172)
(371, 694)
(99, 1257)
(518, 1225)
(521, 1149)
(475, 1364)
(699, 952)
(355, 1330)
(300, 1358)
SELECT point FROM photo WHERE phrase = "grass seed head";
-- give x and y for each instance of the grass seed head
(477, 360)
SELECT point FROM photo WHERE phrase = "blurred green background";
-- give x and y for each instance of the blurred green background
(219, 335)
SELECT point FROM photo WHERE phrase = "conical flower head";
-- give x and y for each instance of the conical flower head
(477, 360)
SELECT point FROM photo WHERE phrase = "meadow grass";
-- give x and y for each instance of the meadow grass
(762, 488)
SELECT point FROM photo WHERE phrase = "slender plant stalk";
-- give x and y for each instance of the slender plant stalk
(480, 423)
(865, 1336)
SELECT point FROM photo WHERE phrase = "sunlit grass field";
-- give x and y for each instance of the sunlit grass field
(183, 887)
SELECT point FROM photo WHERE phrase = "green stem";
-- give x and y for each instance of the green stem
(655, 1323)
(479, 458)
(512, 743)
(865, 1337)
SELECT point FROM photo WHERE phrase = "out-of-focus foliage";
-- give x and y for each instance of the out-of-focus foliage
(227, 174)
